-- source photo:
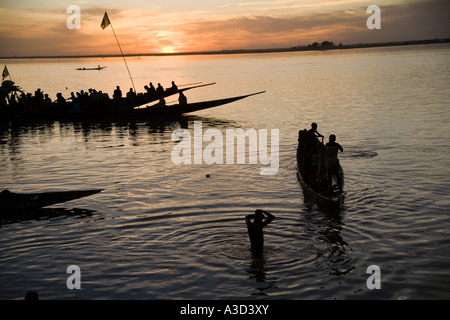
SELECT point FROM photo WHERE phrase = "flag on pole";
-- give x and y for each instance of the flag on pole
(5, 73)
(105, 21)
(104, 24)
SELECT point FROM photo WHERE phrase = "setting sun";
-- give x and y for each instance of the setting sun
(168, 49)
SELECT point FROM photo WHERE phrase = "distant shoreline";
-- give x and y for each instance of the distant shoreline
(243, 51)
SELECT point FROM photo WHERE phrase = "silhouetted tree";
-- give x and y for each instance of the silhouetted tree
(327, 44)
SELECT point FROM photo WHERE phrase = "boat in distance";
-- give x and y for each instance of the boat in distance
(11, 202)
(96, 68)
(323, 181)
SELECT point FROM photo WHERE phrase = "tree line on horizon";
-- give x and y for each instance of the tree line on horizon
(323, 45)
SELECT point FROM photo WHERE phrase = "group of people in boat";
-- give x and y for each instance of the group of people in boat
(85, 101)
(318, 163)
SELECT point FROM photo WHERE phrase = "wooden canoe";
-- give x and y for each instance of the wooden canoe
(179, 109)
(23, 202)
(96, 68)
(329, 200)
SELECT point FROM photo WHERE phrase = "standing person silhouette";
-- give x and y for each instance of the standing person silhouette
(333, 164)
(312, 133)
(311, 153)
(255, 229)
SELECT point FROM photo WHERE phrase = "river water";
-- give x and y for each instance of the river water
(161, 230)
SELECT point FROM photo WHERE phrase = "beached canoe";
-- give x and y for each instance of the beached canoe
(23, 202)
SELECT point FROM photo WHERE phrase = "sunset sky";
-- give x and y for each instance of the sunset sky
(38, 28)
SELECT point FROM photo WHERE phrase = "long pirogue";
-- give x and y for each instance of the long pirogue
(26, 202)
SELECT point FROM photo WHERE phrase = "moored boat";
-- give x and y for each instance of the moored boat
(86, 106)
(27, 202)
(113, 108)
(320, 174)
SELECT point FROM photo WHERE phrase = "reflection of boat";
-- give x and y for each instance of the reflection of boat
(21, 202)
(97, 68)
(179, 109)
(44, 214)
(326, 196)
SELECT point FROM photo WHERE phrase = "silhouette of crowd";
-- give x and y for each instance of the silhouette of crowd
(82, 101)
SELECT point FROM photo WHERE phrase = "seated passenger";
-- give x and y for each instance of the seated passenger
(117, 93)
(160, 89)
(161, 102)
(182, 99)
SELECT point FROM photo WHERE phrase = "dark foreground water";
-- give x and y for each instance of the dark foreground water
(166, 231)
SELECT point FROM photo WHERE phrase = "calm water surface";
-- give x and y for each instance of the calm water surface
(166, 231)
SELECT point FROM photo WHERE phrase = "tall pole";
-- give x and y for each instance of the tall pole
(105, 23)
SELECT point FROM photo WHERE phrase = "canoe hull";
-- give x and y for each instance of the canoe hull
(22, 202)
(179, 109)
(98, 68)
(333, 201)
(330, 203)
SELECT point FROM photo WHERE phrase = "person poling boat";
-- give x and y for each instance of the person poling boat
(333, 168)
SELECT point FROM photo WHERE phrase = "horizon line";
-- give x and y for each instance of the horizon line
(242, 51)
